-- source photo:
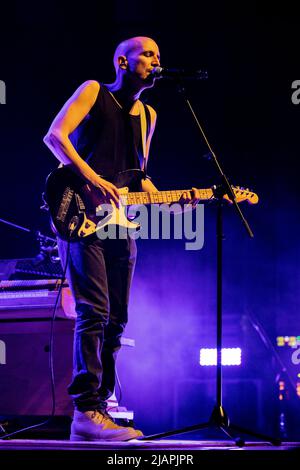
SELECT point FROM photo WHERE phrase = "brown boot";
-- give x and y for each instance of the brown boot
(95, 426)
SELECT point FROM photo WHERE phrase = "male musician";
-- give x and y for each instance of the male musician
(103, 130)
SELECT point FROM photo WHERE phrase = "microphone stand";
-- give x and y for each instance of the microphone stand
(47, 244)
(219, 418)
(282, 371)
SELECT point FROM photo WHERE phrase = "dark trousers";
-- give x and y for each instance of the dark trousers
(99, 274)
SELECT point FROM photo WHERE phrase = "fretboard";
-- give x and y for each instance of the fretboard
(160, 197)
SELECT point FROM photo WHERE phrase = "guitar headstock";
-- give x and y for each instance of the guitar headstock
(242, 194)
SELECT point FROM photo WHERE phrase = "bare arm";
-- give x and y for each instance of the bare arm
(58, 141)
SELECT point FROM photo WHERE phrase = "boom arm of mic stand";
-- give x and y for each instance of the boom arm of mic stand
(230, 193)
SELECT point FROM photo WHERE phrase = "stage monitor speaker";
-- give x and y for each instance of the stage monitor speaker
(25, 386)
(25, 383)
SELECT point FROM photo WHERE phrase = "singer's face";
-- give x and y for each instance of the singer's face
(142, 58)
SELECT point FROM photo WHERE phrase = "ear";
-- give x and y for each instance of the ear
(122, 61)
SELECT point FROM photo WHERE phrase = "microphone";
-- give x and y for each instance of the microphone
(179, 74)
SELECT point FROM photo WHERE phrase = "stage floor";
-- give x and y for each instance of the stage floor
(135, 444)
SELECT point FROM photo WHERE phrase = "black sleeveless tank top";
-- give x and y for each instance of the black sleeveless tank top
(109, 138)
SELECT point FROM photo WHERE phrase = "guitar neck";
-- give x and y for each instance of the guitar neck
(160, 197)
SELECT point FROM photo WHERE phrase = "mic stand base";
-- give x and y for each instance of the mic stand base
(218, 420)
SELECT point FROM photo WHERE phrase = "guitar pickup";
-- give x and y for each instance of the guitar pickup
(65, 204)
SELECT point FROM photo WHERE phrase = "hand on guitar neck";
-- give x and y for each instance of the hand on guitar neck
(190, 199)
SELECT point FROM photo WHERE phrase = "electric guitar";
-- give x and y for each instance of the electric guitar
(75, 206)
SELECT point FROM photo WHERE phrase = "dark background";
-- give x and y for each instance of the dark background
(250, 51)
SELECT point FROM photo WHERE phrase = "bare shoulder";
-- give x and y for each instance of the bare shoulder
(93, 84)
(90, 87)
(77, 106)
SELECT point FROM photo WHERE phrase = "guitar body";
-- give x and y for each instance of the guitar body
(74, 205)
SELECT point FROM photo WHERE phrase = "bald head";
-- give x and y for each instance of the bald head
(129, 45)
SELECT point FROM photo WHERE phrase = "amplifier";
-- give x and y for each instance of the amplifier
(25, 385)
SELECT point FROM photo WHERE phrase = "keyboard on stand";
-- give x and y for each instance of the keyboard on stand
(35, 298)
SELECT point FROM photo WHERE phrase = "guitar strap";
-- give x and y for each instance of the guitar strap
(145, 131)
